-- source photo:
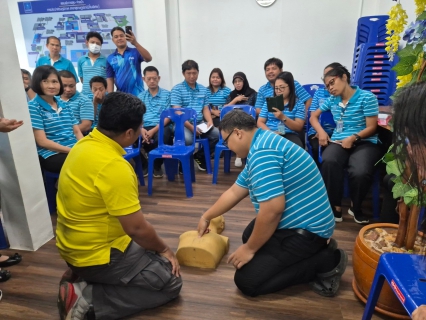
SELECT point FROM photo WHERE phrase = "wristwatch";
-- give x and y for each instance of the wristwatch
(357, 137)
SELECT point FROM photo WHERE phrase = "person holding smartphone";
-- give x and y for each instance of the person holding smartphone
(355, 112)
(124, 65)
(293, 114)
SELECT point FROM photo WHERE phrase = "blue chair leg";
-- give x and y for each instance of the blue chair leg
(187, 177)
(171, 166)
(373, 296)
(227, 161)
(207, 157)
(139, 170)
(3, 241)
(150, 173)
(216, 165)
(50, 193)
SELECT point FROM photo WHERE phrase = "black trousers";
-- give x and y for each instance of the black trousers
(315, 148)
(389, 213)
(53, 163)
(295, 138)
(287, 258)
(359, 162)
(167, 139)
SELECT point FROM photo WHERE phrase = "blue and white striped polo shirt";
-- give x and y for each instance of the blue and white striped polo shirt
(275, 167)
(87, 70)
(272, 122)
(61, 64)
(154, 106)
(58, 125)
(218, 98)
(319, 98)
(81, 105)
(98, 109)
(185, 97)
(362, 104)
(268, 91)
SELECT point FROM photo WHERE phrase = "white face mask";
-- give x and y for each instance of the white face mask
(94, 48)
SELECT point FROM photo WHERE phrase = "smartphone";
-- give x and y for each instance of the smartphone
(128, 29)
(336, 142)
(275, 102)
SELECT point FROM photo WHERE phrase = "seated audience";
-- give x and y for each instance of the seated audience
(26, 79)
(98, 86)
(54, 58)
(287, 243)
(353, 144)
(156, 100)
(54, 125)
(80, 104)
(242, 94)
(93, 63)
(293, 115)
(118, 264)
(216, 94)
(190, 94)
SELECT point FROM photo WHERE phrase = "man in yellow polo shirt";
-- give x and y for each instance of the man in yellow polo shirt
(122, 264)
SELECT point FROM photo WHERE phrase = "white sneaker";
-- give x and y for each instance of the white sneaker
(238, 162)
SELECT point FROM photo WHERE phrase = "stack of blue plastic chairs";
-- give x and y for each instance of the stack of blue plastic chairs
(371, 68)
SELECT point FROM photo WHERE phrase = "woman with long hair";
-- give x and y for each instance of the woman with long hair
(216, 94)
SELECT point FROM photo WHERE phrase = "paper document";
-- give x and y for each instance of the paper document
(203, 127)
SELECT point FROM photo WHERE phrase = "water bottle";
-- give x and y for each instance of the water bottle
(281, 128)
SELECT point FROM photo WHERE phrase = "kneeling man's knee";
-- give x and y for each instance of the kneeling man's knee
(245, 284)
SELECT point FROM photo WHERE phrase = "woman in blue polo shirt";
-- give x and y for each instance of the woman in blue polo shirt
(216, 94)
(293, 115)
(353, 144)
(54, 125)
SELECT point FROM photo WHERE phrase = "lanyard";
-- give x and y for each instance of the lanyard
(343, 109)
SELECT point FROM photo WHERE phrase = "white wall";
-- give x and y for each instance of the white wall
(239, 35)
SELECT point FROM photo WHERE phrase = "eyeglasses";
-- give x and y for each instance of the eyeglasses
(330, 83)
(282, 88)
(225, 142)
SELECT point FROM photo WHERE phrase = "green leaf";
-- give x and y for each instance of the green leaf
(393, 168)
(410, 51)
(400, 189)
(410, 197)
(389, 157)
(405, 65)
(422, 16)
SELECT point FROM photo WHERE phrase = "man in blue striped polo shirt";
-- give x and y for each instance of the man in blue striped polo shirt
(124, 65)
(287, 243)
(190, 94)
(273, 67)
(98, 87)
(93, 63)
(79, 103)
(156, 100)
(54, 58)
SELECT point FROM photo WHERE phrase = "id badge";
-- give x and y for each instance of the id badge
(339, 126)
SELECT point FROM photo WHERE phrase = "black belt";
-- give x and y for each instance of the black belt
(311, 236)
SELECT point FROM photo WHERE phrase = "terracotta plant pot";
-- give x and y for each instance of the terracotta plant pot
(365, 261)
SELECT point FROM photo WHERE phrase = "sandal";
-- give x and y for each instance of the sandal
(327, 284)
(4, 275)
(15, 259)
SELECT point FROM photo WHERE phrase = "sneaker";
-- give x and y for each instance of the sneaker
(158, 173)
(359, 217)
(71, 303)
(238, 162)
(337, 215)
(201, 164)
(327, 284)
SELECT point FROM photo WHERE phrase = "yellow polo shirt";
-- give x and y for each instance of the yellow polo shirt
(96, 185)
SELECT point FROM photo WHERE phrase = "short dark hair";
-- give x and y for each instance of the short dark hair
(220, 73)
(120, 112)
(288, 78)
(26, 72)
(337, 70)
(98, 79)
(150, 69)
(237, 119)
(42, 73)
(188, 65)
(53, 37)
(275, 61)
(66, 74)
(115, 29)
(94, 34)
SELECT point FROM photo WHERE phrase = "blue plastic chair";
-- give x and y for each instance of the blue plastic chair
(221, 148)
(50, 179)
(3, 241)
(178, 151)
(312, 88)
(406, 275)
(135, 153)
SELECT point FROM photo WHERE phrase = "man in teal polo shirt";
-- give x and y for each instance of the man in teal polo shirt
(93, 63)
(288, 243)
(55, 59)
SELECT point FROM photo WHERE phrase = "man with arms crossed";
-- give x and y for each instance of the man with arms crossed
(287, 243)
(122, 264)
